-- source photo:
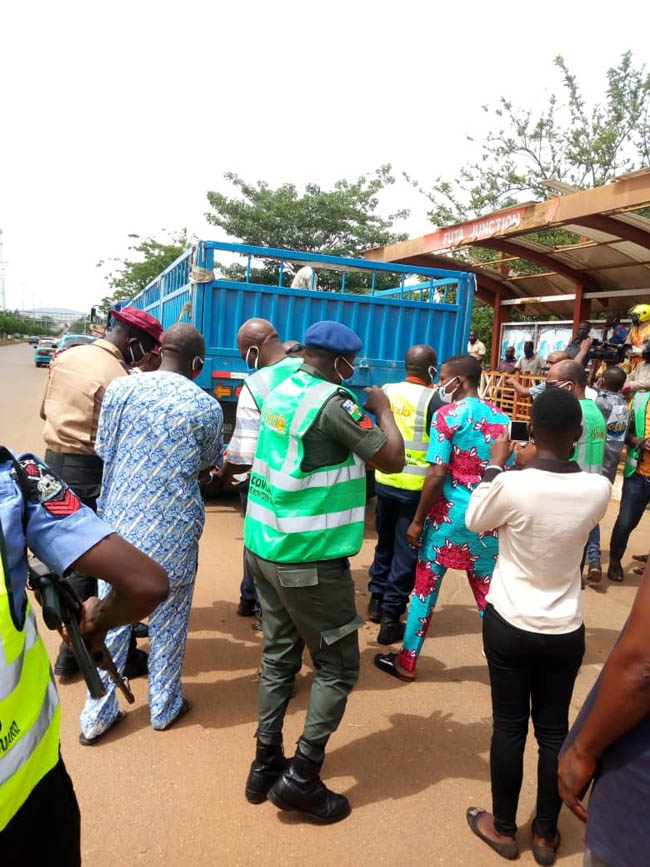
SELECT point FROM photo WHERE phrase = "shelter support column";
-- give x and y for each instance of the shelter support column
(581, 308)
(501, 315)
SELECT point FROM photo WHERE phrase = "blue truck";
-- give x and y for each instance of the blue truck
(421, 305)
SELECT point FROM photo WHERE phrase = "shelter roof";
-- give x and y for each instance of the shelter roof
(608, 262)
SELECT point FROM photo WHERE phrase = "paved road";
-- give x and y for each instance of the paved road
(411, 758)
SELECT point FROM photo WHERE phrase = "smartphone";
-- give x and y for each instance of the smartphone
(518, 430)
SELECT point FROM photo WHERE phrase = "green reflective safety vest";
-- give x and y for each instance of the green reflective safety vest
(639, 409)
(29, 706)
(409, 402)
(590, 449)
(295, 516)
(263, 381)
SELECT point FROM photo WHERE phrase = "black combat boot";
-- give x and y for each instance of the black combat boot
(267, 766)
(392, 630)
(301, 788)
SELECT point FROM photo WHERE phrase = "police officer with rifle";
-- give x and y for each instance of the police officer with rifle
(39, 815)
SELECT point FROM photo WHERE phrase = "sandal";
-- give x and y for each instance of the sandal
(387, 662)
(510, 851)
(186, 706)
(92, 742)
(546, 855)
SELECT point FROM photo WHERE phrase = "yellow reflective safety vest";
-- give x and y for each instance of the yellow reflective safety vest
(29, 704)
(409, 402)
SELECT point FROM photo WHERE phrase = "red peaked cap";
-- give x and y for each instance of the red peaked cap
(139, 319)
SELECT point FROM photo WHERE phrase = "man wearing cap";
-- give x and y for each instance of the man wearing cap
(71, 404)
(305, 518)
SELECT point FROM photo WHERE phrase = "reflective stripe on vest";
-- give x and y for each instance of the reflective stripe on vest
(262, 382)
(29, 706)
(295, 516)
(639, 409)
(409, 402)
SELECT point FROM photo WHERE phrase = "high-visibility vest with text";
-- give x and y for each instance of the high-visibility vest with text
(29, 704)
(293, 515)
(639, 410)
(410, 403)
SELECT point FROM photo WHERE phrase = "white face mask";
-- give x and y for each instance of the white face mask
(339, 374)
(432, 371)
(257, 357)
(135, 360)
(448, 396)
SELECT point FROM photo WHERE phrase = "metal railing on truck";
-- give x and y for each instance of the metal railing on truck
(426, 305)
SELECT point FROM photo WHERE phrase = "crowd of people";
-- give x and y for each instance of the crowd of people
(116, 507)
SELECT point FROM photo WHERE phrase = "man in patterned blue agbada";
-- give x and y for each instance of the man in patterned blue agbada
(157, 432)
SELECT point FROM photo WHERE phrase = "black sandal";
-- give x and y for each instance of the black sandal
(92, 742)
(546, 855)
(510, 851)
(387, 662)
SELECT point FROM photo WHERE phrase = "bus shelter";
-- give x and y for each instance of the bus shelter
(604, 269)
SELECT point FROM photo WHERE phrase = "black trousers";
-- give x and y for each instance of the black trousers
(392, 573)
(531, 674)
(47, 828)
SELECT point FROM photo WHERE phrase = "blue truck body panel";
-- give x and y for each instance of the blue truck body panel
(387, 321)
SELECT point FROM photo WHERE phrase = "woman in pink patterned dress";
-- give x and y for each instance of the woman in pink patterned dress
(459, 451)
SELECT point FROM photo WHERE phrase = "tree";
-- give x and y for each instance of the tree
(342, 221)
(131, 275)
(568, 141)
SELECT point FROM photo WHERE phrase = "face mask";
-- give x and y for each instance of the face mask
(448, 396)
(197, 366)
(432, 371)
(563, 385)
(528, 352)
(635, 320)
(135, 358)
(257, 357)
(338, 372)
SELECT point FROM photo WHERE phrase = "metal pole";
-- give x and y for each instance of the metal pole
(2, 276)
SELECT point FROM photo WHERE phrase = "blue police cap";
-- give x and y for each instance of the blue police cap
(334, 337)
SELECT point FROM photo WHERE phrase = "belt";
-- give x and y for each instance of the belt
(58, 460)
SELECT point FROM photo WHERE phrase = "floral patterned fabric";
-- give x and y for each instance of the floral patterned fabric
(156, 433)
(461, 436)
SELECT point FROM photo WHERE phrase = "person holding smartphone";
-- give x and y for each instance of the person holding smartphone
(533, 631)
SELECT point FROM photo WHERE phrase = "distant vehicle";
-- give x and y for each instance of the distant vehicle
(32, 340)
(44, 351)
(70, 340)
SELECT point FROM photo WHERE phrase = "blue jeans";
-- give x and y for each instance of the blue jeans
(593, 545)
(634, 499)
(392, 574)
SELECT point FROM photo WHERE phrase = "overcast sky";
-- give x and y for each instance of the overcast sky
(117, 118)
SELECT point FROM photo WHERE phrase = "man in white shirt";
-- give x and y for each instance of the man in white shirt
(530, 362)
(475, 348)
(306, 278)
(260, 347)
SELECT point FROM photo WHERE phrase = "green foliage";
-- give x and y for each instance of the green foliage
(130, 275)
(340, 222)
(567, 141)
(13, 323)
(78, 327)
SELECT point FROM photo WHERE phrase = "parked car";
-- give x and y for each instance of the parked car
(44, 351)
(70, 340)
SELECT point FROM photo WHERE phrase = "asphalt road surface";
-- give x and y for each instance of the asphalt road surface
(410, 757)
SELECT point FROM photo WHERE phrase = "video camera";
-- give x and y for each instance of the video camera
(610, 353)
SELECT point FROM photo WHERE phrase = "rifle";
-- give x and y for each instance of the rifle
(62, 607)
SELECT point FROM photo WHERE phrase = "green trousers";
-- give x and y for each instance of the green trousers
(312, 605)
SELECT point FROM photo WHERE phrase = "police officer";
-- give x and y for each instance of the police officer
(305, 517)
(260, 347)
(39, 815)
(392, 574)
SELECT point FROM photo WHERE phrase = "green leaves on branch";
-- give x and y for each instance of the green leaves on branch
(130, 275)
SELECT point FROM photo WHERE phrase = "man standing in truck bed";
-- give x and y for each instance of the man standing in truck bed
(305, 517)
